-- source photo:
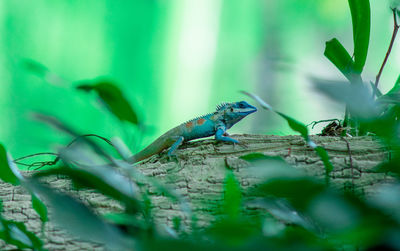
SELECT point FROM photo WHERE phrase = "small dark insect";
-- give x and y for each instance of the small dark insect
(332, 129)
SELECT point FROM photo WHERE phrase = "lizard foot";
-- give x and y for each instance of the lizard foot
(241, 144)
(173, 157)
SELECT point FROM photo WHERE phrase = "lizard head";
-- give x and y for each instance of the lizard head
(234, 112)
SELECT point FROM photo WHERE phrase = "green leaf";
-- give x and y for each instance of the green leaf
(40, 208)
(361, 19)
(35, 67)
(296, 126)
(233, 233)
(124, 219)
(232, 197)
(15, 233)
(43, 72)
(339, 56)
(254, 157)
(323, 155)
(334, 213)
(299, 191)
(303, 130)
(113, 98)
(77, 218)
(6, 173)
(357, 97)
(284, 212)
(378, 92)
(396, 88)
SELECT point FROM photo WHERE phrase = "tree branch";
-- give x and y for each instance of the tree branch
(395, 29)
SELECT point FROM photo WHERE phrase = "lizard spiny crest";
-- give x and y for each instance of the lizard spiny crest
(222, 106)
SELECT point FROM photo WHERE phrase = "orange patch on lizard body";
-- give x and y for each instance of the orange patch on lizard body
(189, 124)
(200, 121)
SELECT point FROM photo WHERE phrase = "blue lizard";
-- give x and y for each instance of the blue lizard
(225, 116)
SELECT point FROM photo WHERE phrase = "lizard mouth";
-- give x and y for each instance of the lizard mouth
(248, 110)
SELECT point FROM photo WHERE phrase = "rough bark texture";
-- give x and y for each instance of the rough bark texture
(199, 175)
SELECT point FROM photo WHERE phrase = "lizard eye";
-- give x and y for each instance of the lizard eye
(231, 109)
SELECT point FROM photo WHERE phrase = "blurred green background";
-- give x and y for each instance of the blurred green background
(174, 60)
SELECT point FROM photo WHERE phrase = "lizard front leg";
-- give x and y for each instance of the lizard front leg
(219, 135)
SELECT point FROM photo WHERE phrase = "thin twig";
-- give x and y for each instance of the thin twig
(351, 162)
(395, 29)
(33, 155)
(40, 164)
(90, 135)
(314, 123)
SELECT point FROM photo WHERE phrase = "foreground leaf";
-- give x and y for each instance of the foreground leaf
(232, 197)
(76, 218)
(339, 56)
(255, 156)
(357, 97)
(40, 208)
(396, 88)
(43, 72)
(6, 173)
(296, 126)
(105, 180)
(114, 99)
(36, 68)
(303, 130)
(299, 191)
(361, 20)
(15, 233)
(284, 212)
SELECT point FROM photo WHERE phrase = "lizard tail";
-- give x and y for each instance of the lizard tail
(154, 148)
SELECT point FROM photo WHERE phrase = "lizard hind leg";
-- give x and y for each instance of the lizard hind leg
(178, 141)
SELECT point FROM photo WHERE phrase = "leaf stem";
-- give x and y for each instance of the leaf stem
(395, 29)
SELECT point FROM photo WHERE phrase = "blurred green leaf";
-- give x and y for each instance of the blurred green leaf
(333, 212)
(389, 98)
(43, 72)
(235, 232)
(357, 97)
(6, 173)
(296, 126)
(323, 155)
(35, 67)
(391, 166)
(321, 152)
(299, 191)
(182, 245)
(232, 197)
(259, 100)
(396, 88)
(40, 208)
(255, 157)
(128, 222)
(113, 97)
(339, 56)
(387, 198)
(273, 167)
(15, 233)
(284, 212)
(361, 19)
(378, 92)
(105, 180)
(303, 130)
(78, 219)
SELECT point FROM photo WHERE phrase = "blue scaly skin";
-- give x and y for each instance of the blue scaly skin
(212, 124)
